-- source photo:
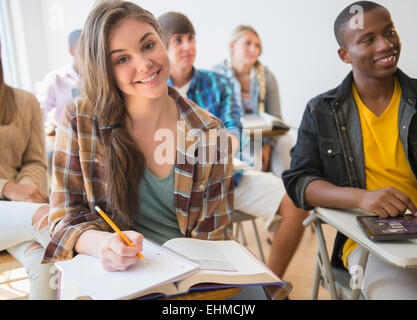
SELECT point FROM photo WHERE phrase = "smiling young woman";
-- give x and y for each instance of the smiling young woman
(106, 147)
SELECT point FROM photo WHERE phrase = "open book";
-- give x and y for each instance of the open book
(173, 269)
(263, 121)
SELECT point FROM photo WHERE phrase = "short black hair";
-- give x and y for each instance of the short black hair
(346, 15)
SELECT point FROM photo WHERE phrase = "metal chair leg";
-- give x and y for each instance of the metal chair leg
(258, 241)
(316, 283)
(327, 272)
(363, 260)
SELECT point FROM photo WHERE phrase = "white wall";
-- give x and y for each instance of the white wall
(299, 45)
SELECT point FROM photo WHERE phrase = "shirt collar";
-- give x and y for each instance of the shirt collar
(194, 80)
(344, 91)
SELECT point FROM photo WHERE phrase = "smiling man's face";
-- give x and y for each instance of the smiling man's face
(375, 49)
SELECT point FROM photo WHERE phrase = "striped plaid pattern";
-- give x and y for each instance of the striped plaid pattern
(214, 92)
(203, 187)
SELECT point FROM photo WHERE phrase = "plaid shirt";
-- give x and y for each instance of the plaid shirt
(203, 187)
(214, 92)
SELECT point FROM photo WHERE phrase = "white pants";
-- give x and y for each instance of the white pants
(383, 281)
(259, 194)
(19, 237)
(280, 154)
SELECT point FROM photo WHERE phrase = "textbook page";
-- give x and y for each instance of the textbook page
(225, 256)
(223, 262)
(163, 268)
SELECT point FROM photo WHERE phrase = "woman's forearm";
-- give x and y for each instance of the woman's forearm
(320, 193)
(89, 242)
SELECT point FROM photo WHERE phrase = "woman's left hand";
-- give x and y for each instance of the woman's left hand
(266, 156)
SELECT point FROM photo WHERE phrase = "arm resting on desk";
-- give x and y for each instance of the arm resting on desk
(387, 202)
(320, 193)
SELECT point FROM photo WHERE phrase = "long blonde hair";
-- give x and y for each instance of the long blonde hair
(237, 33)
(124, 163)
(7, 101)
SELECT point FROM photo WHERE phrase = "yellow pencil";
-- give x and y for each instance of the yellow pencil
(115, 228)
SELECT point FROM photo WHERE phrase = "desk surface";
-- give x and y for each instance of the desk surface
(402, 253)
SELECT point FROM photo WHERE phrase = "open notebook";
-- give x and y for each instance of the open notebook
(173, 269)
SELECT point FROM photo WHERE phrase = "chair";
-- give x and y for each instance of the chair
(7, 264)
(341, 280)
(335, 280)
(238, 218)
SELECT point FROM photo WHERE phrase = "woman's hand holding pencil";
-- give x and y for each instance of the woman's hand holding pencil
(116, 255)
(121, 249)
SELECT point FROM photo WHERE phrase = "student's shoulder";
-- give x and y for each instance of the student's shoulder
(25, 100)
(24, 97)
(214, 76)
(407, 82)
(221, 68)
(197, 117)
(80, 109)
(323, 101)
(59, 73)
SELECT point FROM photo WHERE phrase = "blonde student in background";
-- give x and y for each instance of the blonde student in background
(23, 201)
(256, 90)
(106, 147)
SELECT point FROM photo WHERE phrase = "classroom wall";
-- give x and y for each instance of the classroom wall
(298, 40)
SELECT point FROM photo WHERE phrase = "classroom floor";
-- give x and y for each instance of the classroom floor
(300, 271)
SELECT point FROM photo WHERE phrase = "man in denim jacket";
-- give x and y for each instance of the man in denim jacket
(357, 143)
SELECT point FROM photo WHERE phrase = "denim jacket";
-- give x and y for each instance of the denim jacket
(329, 144)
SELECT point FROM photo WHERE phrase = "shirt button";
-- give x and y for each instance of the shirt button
(405, 127)
(329, 151)
(343, 128)
(201, 187)
(351, 159)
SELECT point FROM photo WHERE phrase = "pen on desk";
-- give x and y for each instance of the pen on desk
(115, 228)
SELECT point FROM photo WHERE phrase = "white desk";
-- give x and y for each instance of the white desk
(402, 254)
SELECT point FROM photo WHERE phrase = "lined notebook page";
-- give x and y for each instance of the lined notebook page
(95, 281)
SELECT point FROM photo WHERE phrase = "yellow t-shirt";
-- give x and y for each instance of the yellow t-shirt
(386, 164)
